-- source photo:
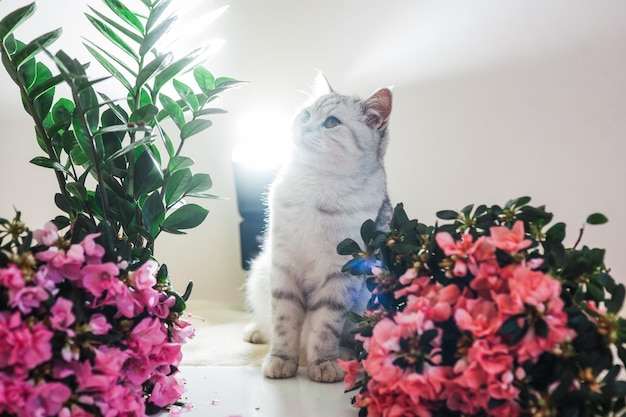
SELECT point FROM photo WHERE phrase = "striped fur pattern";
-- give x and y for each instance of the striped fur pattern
(334, 181)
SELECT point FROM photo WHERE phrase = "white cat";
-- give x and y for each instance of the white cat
(333, 182)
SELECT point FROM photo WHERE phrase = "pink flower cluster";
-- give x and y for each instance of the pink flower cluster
(406, 376)
(81, 337)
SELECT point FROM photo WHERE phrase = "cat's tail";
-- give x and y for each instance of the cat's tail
(258, 300)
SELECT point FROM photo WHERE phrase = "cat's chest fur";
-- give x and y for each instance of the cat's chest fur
(314, 211)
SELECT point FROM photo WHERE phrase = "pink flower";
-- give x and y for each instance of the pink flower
(181, 331)
(166, 354)
(98, 278)
(491, 355)
(353, 369)
(509, 240)
(61, 316)
(148, 333)
(11, 277)
(143, 278)
(460, 250)
(533, 287)
(99, 324)
(479, 316)
(47, 236)
(162, 308)
(167, 389)
(52, 396)
(27, 298)
(93, 252)
(25, 345)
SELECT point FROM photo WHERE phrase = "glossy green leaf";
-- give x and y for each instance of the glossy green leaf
(179, 162)
(126, 14)
(348, 247)
(148, 175)
(48, 163)
(112, 36)
(204, 79)
(194, 127)
(556, 233)
(177, 186)
(615, 304)
(152, 68)
(173, 110)
(186, 94)
(447, 215)
(11, 21)
(597, 218)
(173, 70)
(77, 190)
(130, 34)
(35, 46)
(205, 112)
(41, 87)
(186, 217)
(157, 12)
(134, 145)
(153, 213)
(144, 114)
(43, 102)
(154, 35)
(200, 183)
(112, 69)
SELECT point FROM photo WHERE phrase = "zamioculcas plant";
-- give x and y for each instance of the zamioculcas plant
(89, 322)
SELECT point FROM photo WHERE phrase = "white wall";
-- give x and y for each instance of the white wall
(492, 100)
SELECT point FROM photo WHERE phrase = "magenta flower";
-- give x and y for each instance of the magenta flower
(48, 236)
(61, 314)
(27, 298)
(98, 278)
(167, 389)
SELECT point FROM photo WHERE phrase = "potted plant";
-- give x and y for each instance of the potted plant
(91, 325)
(486, 314)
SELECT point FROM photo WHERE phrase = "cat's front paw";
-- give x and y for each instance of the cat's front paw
(277, 368)
(252, 333)
(327, 371)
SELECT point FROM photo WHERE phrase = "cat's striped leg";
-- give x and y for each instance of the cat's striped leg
(288, 310)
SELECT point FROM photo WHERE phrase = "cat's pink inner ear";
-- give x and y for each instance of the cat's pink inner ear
(378, 108)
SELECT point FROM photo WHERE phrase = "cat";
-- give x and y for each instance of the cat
(333, 182)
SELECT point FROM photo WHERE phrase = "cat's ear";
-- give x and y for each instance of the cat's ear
(378, 109)
(321, 86)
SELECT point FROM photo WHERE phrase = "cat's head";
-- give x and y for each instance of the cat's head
(334, 127)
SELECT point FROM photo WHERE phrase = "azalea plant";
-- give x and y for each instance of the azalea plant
(486, 314)
(90, 322)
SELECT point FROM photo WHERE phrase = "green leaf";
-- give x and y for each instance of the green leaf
(597, 218)
(43, 102)
(112, 36)
(144, 114)
(194, 127)
(186, 217)
(126, 149)
(187, 95)
(156, 13)
(154, 35)
(11, 21)
(208, 111)
(177, 186)
(204, 79)
(348, 247)
(173, 70)
(447, 215)
(367, 231)
(173, 110)
(117, 26)
(199, 183)
(42, 87)
(152, 68)
(179, 162)
(62, 111)
(34, 47)
(614, 305)
(126, 14)
(148, 175)
(556, 233)
(112, 69)
(48, 163)
(153, 213)
(77, 190)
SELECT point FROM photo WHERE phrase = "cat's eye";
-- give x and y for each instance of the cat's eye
(305, 116)
(330, 122)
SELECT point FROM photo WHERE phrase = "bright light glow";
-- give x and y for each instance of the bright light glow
(264, 139)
